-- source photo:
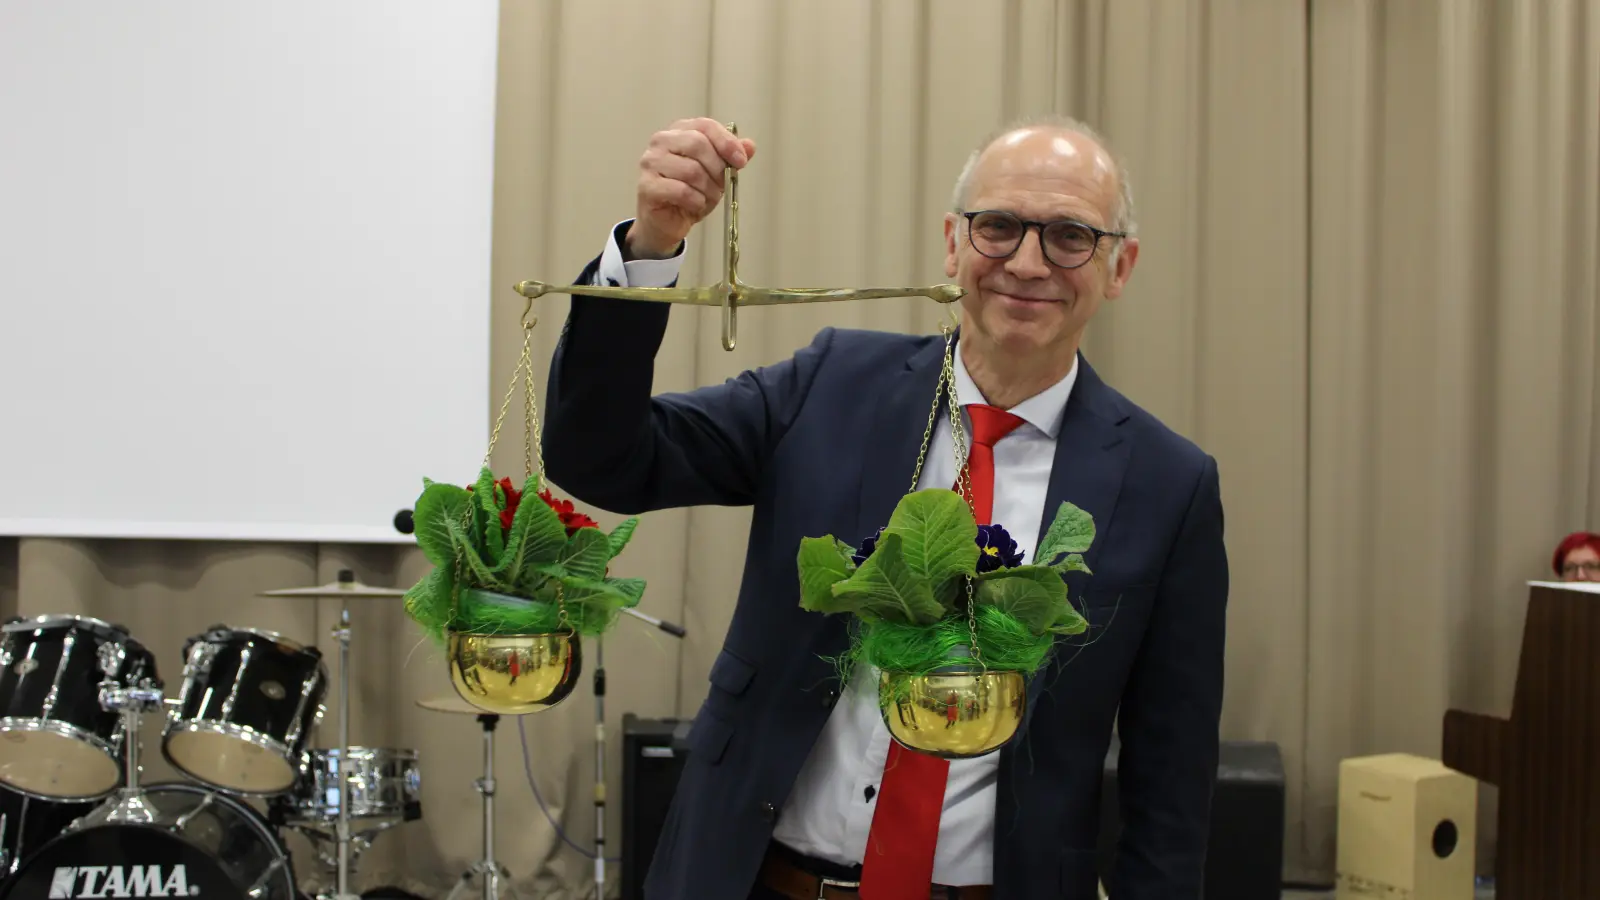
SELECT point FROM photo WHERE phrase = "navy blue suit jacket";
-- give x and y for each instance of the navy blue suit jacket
(824, 443)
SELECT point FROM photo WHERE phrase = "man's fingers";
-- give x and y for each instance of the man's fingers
(691, 171)
(668, 193)
(732, 150)
(695, 146)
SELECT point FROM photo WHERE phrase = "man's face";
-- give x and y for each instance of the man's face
(1026, 303)
(1582, 564)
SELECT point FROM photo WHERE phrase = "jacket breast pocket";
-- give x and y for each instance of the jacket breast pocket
(1111, 608)
(1112, 597)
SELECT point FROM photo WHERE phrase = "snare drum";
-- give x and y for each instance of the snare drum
(249, 702)
(56, 740)
(383, 783)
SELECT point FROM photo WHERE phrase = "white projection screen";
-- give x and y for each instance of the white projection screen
(244, 264)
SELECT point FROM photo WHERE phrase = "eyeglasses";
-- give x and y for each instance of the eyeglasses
(1588, 567)
(1066, 243)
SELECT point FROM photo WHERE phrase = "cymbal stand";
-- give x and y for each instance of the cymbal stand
(490, 870)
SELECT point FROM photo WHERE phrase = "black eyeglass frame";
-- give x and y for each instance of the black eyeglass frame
(1028, 224)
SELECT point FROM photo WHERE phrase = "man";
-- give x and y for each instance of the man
(792, 788)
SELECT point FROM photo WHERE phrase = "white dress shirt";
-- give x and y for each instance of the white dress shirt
(829, 813)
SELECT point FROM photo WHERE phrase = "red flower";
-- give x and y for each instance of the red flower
(570, 517)
(513, 497)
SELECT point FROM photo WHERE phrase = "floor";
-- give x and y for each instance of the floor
(1484, 893)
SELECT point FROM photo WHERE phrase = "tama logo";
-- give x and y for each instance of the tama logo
(91, 882)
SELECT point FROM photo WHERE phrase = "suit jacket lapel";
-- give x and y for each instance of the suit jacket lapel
(1091, 457)
(895, 437)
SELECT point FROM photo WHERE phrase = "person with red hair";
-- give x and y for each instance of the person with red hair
(1577, 557)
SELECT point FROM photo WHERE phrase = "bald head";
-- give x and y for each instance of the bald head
(1053, 147)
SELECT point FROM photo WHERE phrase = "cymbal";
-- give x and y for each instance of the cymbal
(450, 704)
(337, 589)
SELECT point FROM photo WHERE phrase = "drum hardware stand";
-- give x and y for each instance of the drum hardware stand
(487, 867)
(128, 806)
(599, 769)
(341, 768)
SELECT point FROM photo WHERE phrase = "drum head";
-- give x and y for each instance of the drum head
(229, 761)
(201, 845)
(54, 765)
(122, 861)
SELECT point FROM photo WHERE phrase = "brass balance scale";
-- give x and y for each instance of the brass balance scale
(547, 666)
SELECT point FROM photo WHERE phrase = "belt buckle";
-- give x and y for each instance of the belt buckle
(824, 883)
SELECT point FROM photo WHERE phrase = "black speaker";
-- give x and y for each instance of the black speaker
(653, 754)
(1244, 859)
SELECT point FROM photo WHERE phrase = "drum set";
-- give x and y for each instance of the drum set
(75, 821)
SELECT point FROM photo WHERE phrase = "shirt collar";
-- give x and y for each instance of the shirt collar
(1043, 410)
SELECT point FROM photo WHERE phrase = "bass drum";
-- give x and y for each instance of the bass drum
(28, 823)
(200, 844)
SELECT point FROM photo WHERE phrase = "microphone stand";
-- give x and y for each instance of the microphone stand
(600, 745)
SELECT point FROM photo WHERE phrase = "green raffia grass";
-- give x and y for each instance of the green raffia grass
(1004, 643)
(485, 612)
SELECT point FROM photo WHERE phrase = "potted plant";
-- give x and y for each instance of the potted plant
(515, 586)
(947, 611)
(950, 615)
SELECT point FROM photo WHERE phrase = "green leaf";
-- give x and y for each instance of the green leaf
(939, 538)
(848, 552)
(464, 545)
(537, 535)
(886, 588)
(1072, 531)
(1034, 595)
(488, 500)
(613, 593)
(1072, 562)
(823, 563)
(620, 536)
(494, 537)
(585, 555)
(632, 588)
(429, 599)
(1069, 622)
(437, 505)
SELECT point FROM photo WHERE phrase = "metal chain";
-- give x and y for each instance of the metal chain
(933, 414)
(946, 389)
(964, 485)
(532, 458)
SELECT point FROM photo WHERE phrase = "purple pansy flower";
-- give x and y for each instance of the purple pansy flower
(996, 549)
(867, 546)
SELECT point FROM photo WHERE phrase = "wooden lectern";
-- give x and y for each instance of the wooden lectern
(1545, 759)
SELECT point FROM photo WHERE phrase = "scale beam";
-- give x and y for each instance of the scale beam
(730, 293)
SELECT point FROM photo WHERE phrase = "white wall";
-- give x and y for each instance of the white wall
(244, 257)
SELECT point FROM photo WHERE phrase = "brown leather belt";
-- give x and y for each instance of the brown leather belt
(784, 877)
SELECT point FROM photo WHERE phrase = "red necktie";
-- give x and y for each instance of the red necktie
(905, 823)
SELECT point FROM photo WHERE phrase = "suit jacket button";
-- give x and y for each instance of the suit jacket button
(769, 812)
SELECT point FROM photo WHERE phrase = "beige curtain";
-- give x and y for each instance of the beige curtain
(1368, 285)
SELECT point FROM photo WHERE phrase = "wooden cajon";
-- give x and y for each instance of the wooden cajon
(1407, 829)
